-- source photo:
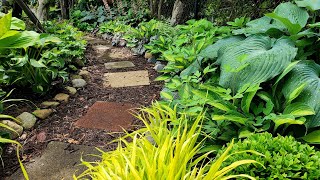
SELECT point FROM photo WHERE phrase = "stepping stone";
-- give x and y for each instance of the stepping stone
(101, 48)
(118, 54)
(59, 161)
(126, 79)
(108, 116)
(93, 40)
(118, 65)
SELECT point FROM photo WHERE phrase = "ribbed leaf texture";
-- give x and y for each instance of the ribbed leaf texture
(305, 73)
(254, 60)
(286, 16)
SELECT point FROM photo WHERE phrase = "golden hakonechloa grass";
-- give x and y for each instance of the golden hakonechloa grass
(157, 153)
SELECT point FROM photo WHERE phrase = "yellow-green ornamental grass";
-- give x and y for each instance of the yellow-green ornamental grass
(168, 155)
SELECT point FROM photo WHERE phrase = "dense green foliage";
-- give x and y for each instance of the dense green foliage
(258, 79)
(33, 60)
(285, 158)
(89, 15)
(220, 11)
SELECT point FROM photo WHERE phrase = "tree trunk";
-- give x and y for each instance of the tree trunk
(43, 9)
(180, 12)
(17, 11)
(159, 8)
(64, 9)
(30, 14)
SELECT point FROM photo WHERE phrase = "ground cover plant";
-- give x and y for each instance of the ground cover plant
(157, 152)
(285, 158)
(246, 86)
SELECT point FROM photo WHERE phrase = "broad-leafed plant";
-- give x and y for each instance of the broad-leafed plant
(264, 78)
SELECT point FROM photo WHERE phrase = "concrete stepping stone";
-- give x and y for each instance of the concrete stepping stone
(118, 54)
(101, 48)
(93, 40)
(108, 116)
(59, 161)
(118, 65)
(126, 79)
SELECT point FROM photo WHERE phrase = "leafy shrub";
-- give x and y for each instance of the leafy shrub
(33, 60)
(88, 20)
(257, 80)
(157, 152)
(285, 158)
(221, 12)
(72, 46)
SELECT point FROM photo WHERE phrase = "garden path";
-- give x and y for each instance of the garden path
(118, 83)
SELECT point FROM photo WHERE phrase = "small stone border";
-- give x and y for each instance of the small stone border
(27, 120)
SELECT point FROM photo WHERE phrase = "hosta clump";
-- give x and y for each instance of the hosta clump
(71, 49)
(285, 158)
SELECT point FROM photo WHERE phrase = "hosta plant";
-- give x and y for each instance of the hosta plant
(156, 152)
(263, 78)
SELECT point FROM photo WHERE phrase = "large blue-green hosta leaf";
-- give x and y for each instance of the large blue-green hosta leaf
(304, 82)
(211, 51)
(254, 60)
(312, 5)
(286, 16)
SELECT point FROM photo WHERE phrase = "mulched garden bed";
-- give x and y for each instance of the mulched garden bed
(59, 126)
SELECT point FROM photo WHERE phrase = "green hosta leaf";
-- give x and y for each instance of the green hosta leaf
(37, 64)
(5, 23)
(17, 24)
(291, 16)
(292, 28)
(312, 5)
(167, 95)
(315, 25)
(163, 77)
(246, 101)
(286, 71)
(259, 26)
(20, 40)
(231, 116)
(305, 74)
(211, 51)
(285, 119)
(253, 61)
(313, 137)
(299, 109)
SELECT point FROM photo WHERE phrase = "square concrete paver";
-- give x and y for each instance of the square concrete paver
(118, 65)
(118, 53)
(101, 49)
(108, 116)
(126, 79)
(59, 161)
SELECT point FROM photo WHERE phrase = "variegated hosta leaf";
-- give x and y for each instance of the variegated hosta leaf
(306, 75)
(253, 61)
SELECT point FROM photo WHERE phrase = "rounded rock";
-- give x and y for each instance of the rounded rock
(27, 120)
(79, 83)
